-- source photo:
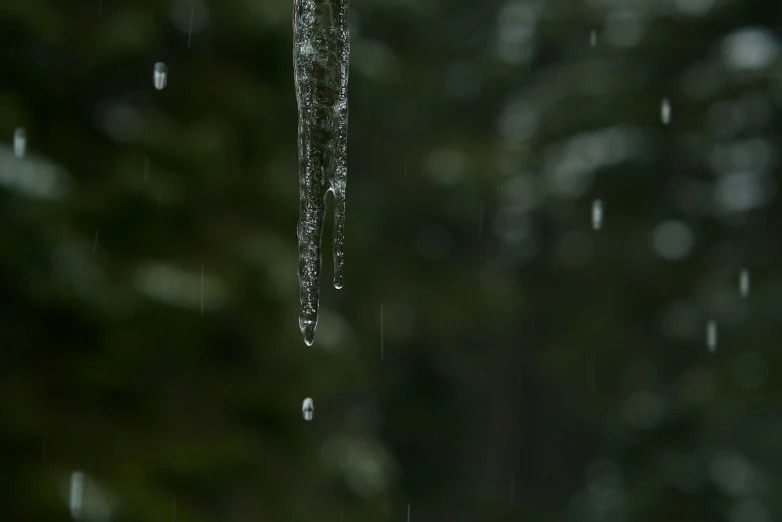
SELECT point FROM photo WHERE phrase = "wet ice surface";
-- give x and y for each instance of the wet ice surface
(321, 50)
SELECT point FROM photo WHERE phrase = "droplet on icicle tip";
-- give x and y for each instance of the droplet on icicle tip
(20, 142)
(308, 409)
(160, 76)
(744, 282)
(597, 214)
(665, 111)
(307, 330)
(711, 335)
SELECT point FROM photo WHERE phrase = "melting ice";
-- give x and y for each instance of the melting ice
(321, 50)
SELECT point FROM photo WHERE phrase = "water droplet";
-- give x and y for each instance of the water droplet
(597, 214)
(308, 409)
(665, 111)
(711, 335)
(20, 142)
(77, 493)
(160, 76)
(593, 38)
(744, 282)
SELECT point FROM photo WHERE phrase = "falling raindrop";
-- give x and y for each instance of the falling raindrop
(665, 111)
(308, 409)
(190, 29)
(597, 214)
(593, 38)
(744, 282)
(202, 289)
(77, 493)
(711, 335)
(160, 76)
(408, 513)
(20, 142)
(321, 50)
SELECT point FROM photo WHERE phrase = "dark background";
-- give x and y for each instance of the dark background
(531, 369)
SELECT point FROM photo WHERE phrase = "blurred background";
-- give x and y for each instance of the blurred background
(491, 357)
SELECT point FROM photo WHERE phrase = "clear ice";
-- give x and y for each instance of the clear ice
(321, 51)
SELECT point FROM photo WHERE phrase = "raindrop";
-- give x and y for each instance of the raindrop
(20, 142)
(160, 76)
(597, 214)
(665, 111)
(593, 38)
(408, 513)
(308, 409)
(744, 282)
(711, 335)
(77, 493)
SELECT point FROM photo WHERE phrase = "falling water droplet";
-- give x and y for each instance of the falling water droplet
(593, 38)
(95, 242)
(711, 335)
(408, 513)
(665, 111)
(20, 142)
(77, 493)
(597, 214)
(744, 282)
(160, 76)
(321, 50)
(190, 30)
(308, 409)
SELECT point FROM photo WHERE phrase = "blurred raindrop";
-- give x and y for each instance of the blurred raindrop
(665, 111)
(308, 409)
(597, 214)
(744, 282)
(593, 38)
(77, 493)
(711, 335)
(160, 76)
(20, 142)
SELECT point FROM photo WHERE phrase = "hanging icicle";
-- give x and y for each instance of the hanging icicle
(321, 50)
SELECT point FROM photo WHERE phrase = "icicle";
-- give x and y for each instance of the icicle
(321, 50)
